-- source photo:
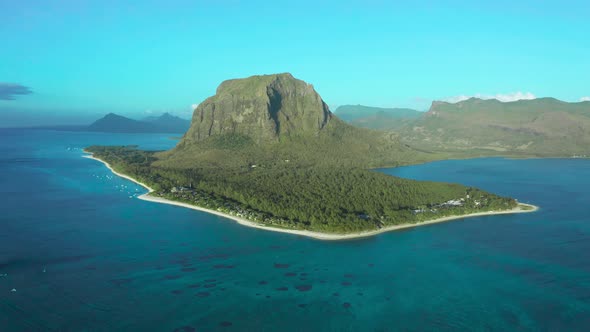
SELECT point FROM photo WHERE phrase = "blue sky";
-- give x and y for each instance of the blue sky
(79, 59)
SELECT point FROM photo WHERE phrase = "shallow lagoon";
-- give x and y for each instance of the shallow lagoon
(84, 255)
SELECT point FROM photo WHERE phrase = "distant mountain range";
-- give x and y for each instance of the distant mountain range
(165, 123)
(114, 123)
(169, 123)
(544, 127)
(377, 117)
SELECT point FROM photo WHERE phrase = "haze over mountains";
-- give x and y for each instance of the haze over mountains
(114, 123)
(538, 127)
(166, 123)
(269, 109)
(376, 117)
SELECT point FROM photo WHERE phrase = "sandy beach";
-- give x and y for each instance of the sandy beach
(521, 208)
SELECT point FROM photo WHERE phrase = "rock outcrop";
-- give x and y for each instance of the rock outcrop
(265, 108)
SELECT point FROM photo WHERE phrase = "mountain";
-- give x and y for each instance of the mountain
(376, 117)
(268, 149)
(270, 117)
(169, 123)
(114, 123)
(538, 127)
(264, 108)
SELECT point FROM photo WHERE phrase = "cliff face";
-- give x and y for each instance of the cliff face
(265, 108)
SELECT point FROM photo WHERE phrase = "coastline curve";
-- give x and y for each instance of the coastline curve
(520, 208)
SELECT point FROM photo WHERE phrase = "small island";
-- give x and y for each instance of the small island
(267, 152)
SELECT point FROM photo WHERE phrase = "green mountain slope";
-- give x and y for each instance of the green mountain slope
(263, 119)
(376, 117)
(539, 127)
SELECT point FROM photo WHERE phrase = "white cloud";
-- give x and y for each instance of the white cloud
(194, 106)
(585, 99)
(456, 99)
(503, 97)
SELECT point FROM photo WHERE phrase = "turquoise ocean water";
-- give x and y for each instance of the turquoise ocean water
(83, 254)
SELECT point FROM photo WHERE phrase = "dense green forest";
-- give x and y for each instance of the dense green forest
(291, 194)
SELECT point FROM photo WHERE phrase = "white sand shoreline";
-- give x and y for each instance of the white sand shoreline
(316, 235)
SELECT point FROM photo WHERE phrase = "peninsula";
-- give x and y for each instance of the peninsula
(267, 152)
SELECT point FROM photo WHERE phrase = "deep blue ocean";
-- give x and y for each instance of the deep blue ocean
(83, 254)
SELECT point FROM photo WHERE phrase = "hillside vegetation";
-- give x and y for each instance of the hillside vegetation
(543, 127)
(325, 199)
